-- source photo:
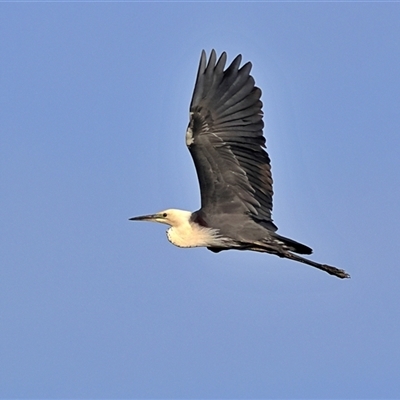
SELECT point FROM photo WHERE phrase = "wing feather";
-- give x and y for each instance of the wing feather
(226, 141)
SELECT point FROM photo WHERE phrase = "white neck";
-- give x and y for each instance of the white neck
(187, 234)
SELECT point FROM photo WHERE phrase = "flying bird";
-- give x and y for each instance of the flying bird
(225, 139)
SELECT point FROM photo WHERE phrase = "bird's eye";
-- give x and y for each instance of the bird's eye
(164, 215)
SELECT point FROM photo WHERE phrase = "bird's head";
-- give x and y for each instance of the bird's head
(170, 217)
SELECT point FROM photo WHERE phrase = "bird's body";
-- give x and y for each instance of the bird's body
(226, 141)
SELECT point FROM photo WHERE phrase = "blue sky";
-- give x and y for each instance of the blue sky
(94, 106)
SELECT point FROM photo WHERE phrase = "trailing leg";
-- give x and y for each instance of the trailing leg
(340, 273)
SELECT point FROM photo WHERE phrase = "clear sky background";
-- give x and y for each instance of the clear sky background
(94, 104)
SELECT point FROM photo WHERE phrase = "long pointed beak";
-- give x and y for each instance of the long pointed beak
(151, 217)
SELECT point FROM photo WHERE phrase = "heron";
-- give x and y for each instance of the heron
(225, 139)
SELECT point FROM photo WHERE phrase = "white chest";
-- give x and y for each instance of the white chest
(186, 236)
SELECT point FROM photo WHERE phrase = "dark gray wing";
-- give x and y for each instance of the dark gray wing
(226, 141)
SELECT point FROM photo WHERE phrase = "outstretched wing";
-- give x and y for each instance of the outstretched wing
(226, 141)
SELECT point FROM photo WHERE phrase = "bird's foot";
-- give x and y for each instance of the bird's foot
(340, 273)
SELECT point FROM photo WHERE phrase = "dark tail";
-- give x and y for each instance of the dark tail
(292, 245)
(299, 248)
(283, 247)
